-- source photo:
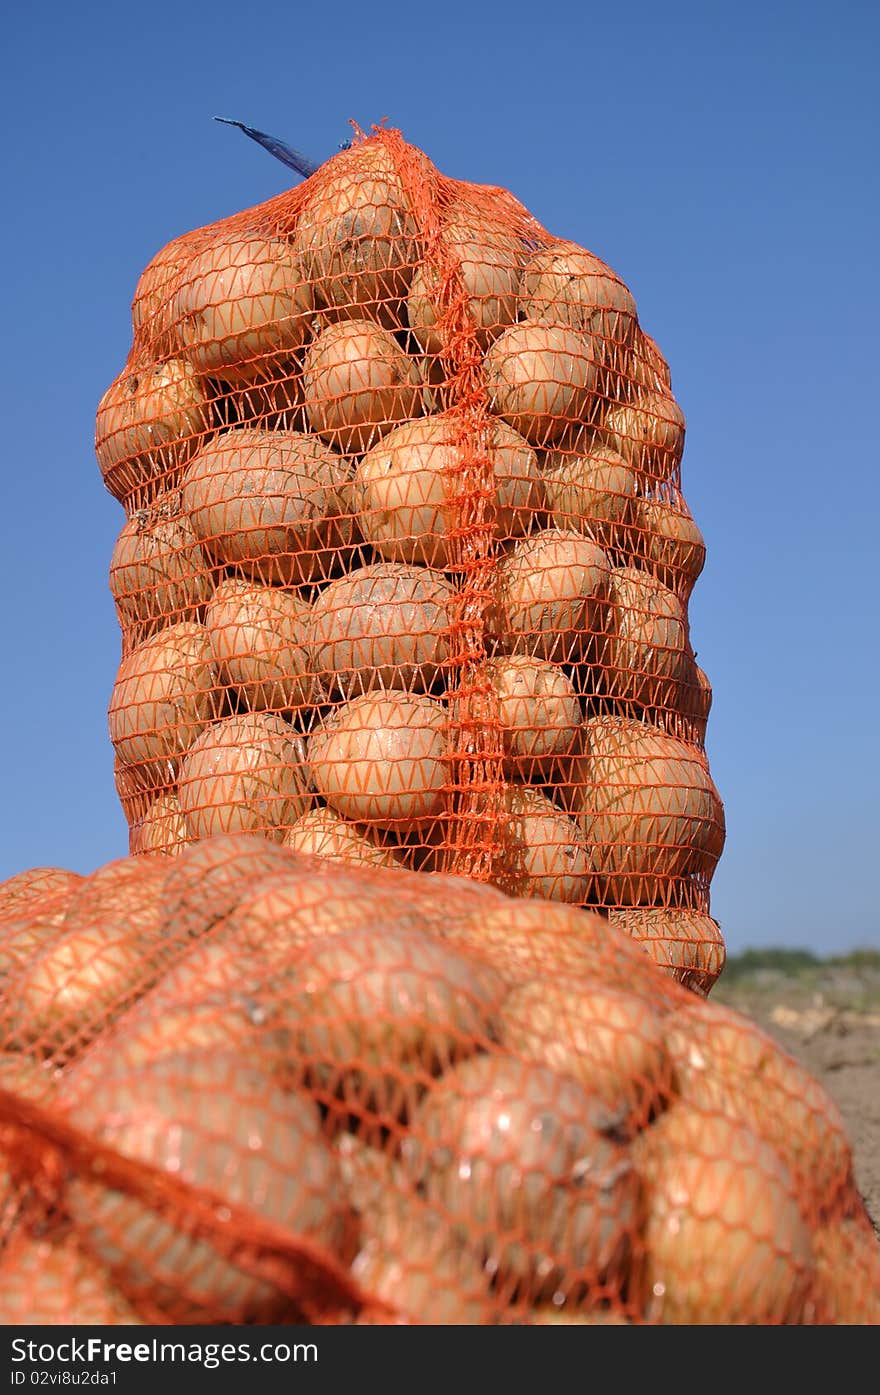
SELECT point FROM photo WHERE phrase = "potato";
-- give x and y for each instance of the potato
(159, 574)
(411, 486)
(375, 1013)
(21, 940)
(356, 236)
(846, 1290)
(411, 1262)
(611, 1042)
(543, 852)
(150, 421)
(688, 944)
(549, 595)
(382, 759)
(648, 433)
(166, 692)
(382, 626)
(515, 1156)
(725, 1064)
(592, 492)
(645, 655)
(259, 637)
(539, 712)
(542, 379)
(358, 384)
(488, 259)
(725, 1241)
(668, 543)
(244, 773)
(242, 304)
(209, 1120)
(23, 893)
(564, 285)
(321, 833)
(649, 811)
(51, 1283)
(272, 504)
(162, 829)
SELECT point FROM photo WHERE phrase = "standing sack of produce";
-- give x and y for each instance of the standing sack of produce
(500, 1111)
(406, 562)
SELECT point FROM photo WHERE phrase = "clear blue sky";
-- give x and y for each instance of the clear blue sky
(722, 158)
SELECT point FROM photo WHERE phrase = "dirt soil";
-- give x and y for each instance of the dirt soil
(828, 1017)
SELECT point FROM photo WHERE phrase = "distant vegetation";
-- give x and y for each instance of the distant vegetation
(796, 962)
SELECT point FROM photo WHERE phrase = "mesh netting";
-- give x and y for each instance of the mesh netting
(250, 1086)
(406, 564)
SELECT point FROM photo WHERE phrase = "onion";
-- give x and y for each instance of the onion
(564, 285)
(158, 571)
(272, 504)
(668, 543)
(515, 1156)
(259, 638)
(847, 1284)
(151, 419)
(357, 237)
(541, 380)
(382, 759)
(415, 497)
(530, 939)
(648, 433)
(166, 692)
(23, 893)
(49, 1282)
(358, 384)
(214, 1122)
(244, 773)
(543, 851)
(650, 813)
(724, 1064)
(321, 833)
(549, 595)
(152, 310)
(647, 368)
(610, 1042)
(539, 712)
(242, 305)
(383, 626)
(724, 1239)
(410, 1261)
(376, 1012)
(688, 944)
(645, 656)
(162, 829)
(489, 260)
(593, 493)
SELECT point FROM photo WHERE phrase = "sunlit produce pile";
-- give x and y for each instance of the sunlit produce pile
(251, 1086)
(406, 563)
(397, 1011)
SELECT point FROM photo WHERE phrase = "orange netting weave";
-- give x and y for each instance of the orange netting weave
(406, 566)
(248, 1086)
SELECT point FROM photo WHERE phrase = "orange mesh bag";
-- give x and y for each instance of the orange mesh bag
(363, 1096)
(406, 564)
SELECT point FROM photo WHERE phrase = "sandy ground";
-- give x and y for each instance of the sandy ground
(830, 1021)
